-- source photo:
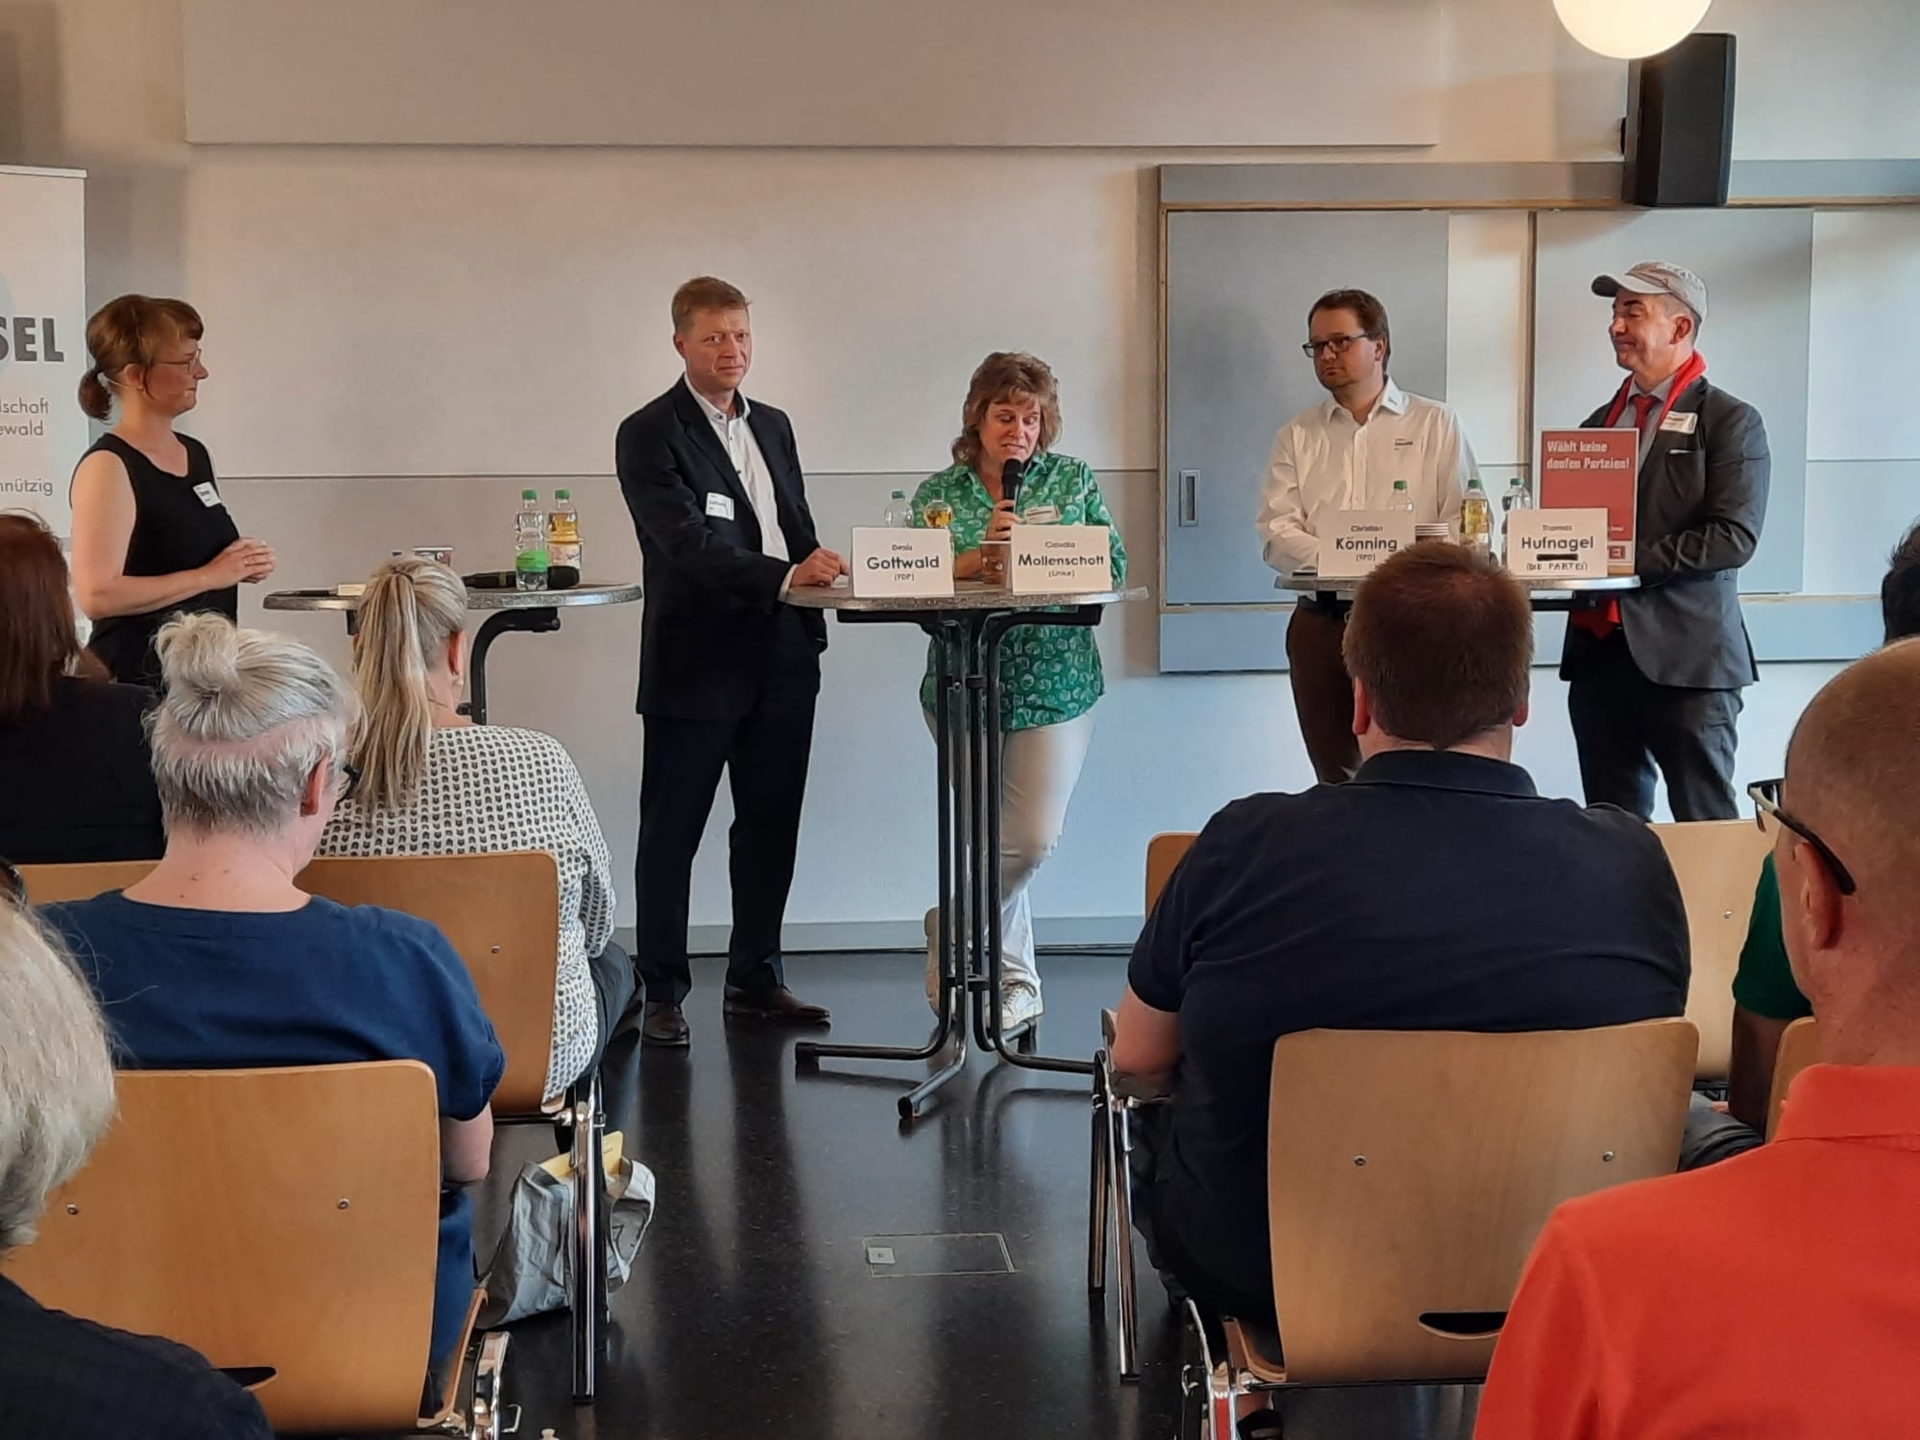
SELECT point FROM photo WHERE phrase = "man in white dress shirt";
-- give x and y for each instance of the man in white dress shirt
(1345, 454)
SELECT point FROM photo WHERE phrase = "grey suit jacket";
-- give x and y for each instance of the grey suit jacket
(1703, 499)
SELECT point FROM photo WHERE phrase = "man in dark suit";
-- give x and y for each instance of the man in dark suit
(728, 671)
(1655, 675)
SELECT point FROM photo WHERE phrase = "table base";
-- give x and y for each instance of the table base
(966, 741)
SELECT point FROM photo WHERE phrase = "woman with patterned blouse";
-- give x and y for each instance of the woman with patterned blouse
(434, 783)
(1050, 675)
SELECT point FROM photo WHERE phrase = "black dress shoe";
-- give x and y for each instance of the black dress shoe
(781, 1005)
(664, 1025)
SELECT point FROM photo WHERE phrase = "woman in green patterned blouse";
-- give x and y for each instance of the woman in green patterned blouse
(1049, 675)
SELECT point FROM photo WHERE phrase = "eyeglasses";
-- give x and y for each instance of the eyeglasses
(190, 361)
(1334, 344)
(352, 772)
(1766, 802)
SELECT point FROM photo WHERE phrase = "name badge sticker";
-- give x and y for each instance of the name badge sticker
(719, 505)
(1042, 515)
(1681, 422)
(209, 496)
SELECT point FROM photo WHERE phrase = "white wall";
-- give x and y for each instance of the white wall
(390, 327)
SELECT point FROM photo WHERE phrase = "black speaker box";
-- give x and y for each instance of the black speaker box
(1680, 124)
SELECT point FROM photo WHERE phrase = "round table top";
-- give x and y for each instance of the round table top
(337, 597)
(967, 595)
(1306, 582)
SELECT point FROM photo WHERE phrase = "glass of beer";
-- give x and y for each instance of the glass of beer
(938, 515)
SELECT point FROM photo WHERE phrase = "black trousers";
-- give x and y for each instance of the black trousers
(1624, 725)
(1322, 689)
(764, 754)
(616, 1055)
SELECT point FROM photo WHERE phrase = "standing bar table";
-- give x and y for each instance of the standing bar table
(536, 612)
(1545, 595)
(967, 629)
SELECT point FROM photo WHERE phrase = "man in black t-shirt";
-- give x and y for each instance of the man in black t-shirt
(1436, 891)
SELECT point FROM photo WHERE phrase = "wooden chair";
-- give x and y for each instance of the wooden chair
(1409, 1174)
(1799, 1048)
(1110, 1179)
(1717, 863)
(284, 1220)
(500, 913)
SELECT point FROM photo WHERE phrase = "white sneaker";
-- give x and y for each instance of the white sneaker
(1019, 1002)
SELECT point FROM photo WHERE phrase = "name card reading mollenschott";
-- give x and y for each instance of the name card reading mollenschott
(1061, 559)
(1357, 540)
(889, 563)
(1557, 544)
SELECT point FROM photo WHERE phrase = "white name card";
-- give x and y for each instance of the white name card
(888, 563)
(1061, 559)
(1557, 544)
(1357, 540)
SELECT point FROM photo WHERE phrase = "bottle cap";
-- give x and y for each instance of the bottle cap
(1474, 483)
(1399, 484)
(563, 494)
(529, 494)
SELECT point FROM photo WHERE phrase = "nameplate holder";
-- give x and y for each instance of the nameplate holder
(892, 564)
(1352, 542)
(1557, 544)
(1061, 559)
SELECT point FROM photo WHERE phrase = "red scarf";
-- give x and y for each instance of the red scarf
(1604, 620)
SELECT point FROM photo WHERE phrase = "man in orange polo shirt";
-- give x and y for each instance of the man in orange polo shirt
(1777, 1294)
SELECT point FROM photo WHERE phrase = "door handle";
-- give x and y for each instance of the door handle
(1186, 507)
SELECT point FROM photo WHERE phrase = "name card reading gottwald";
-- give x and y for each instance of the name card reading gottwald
(1354, 541)
(1557, 544)
(888, 563)
(1061, 559)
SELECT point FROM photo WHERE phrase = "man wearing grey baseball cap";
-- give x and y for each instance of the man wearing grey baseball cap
(1655, 674)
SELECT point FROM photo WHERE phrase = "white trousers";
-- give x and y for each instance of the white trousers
(1038, 769)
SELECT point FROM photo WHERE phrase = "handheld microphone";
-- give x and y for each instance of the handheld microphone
(1011, 474)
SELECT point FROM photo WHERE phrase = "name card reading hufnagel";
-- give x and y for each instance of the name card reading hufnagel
(1354, 541)
(1061, 559)
(891, 563)
(1557, 544)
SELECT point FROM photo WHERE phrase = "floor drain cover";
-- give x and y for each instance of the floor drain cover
(893, 1257)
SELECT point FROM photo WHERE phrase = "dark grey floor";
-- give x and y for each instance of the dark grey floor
(753, 1310)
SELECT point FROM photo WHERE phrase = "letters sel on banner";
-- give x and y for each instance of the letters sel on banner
(43, 321)
(1595, 470)
(1357, 540)
(892, 563)
(1061, 559)
(1557, 544)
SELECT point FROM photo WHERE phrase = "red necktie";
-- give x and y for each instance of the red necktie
(1603, 621)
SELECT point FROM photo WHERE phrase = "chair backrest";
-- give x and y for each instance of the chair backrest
(1717, 863)
(1164, 854)
(501, 912)
(50, 884)
(1409, 1174)
(1799, 1048)
(284, 1218)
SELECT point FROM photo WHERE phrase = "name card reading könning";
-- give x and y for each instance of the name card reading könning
(1354, 541)
(1557, 544)
(1061, 559)
(889, 563)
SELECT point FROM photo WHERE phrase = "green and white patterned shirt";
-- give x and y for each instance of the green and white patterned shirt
(1049, 674)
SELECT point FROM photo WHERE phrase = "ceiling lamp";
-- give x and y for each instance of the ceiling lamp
(1630, 29)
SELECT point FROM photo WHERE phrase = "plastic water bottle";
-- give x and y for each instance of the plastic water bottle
(563, 531)
(1515, 497)
(1476, 517)
(899, 513)
(530, 544)
(1402, 497)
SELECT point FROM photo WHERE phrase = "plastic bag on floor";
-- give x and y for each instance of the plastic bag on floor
(528, 1273)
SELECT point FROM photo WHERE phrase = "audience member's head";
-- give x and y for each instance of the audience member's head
(56, 1078)
(1900, 589)
(38, 641)
(409, 658)
(1853, 781)
(1440, 646)
(251, 739)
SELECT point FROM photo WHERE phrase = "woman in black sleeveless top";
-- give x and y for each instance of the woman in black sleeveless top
(151, 536)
